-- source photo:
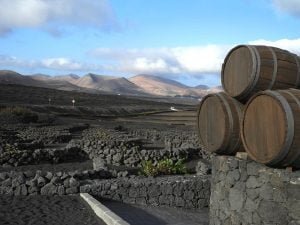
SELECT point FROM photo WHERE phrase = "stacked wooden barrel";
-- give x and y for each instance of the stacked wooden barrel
(259, 110)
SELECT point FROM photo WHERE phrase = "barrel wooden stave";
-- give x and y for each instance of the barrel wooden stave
(277, 143)
(218, 121)
(249, 68)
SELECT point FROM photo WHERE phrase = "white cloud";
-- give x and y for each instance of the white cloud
(201, 59)
(37, 13)
(202, 62)
(196, 60)
(292, 45)
(59, 64)
(7, 61)
(289, 6)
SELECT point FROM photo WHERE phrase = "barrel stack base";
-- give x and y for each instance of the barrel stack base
(246, 192)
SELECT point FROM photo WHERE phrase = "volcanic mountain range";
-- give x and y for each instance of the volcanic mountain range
(137, 85)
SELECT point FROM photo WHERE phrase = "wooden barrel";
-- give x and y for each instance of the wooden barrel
(248, 69)
(218, 120)
(270, 128)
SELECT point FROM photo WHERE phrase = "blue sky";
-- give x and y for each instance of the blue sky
(182, 40)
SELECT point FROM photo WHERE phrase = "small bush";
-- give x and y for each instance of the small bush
(10, 148)
(163, 167)
(149, 169)
(18, 114)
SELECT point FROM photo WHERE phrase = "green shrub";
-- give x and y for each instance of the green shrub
(149, 169)
(179, 167)
(163, 167)
(10, 148)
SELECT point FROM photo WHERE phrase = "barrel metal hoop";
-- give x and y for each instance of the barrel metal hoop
(297, 154)
(292, 96)
(198, 128)
(275, 67)
(244, 93)
(298, 70)
(290, 127)
(255, 52)
(229, 115)
(198, 121)
(242, 125)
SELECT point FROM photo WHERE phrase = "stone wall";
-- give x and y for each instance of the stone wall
(14, 157)
(125, 148)
(46, 183)
(245, 192)
(189, 191)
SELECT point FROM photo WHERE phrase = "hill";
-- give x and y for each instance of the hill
(162, 86)
(11, 77)
(141, 85)
(119, 85)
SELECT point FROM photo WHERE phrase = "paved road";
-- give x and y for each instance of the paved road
(151, 215)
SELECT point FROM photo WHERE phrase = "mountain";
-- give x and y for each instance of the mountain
(64, 82)
(72, 78)
(72, 82)
(162, 86)
(11, 77)
(202, 86)
(40, 76)
(138, 85)
(108, 83)
(215, 89)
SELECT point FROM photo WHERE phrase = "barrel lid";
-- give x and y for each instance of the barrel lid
(267, 127)
(239, 70)
(212, 123)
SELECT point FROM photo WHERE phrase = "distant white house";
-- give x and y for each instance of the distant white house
(173, 108)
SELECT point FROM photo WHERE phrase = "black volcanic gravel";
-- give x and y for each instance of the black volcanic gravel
(46, 210)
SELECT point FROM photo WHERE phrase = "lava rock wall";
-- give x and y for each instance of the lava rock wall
(245, 192)
(117, 148)
(46, 183)
(189, 191)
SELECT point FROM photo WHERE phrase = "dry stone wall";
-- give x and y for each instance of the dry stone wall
(245, 192)
(125, 148)
(189, 191)
(46, 183)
